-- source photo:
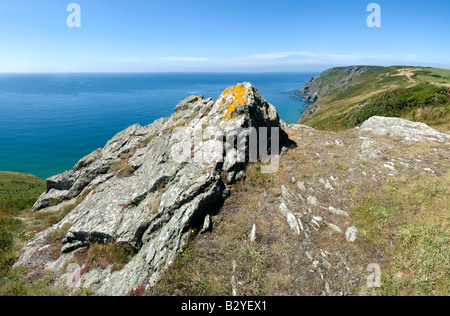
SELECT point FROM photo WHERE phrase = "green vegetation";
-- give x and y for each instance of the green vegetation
(418, 94)
(18, 192)
(184, 277)
(424, 103)
(415, 214)
(433, 75)
(19, 284)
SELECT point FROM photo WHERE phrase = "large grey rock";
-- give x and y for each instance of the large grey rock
(179, 179)
(410, 131)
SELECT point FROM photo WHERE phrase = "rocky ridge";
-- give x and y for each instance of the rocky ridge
(139, 190)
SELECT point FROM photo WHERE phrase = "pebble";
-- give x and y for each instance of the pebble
(351, 234)
(312, 200)
(335, 227)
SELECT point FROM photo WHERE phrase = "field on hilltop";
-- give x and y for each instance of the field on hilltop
(350, 97)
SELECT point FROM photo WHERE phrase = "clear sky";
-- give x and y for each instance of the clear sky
(216, 35)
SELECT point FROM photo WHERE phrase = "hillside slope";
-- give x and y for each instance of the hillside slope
(344, 97)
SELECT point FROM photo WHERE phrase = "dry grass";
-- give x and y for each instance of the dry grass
(121, 168)
(104, 255)
(415, 214)
(58, 235)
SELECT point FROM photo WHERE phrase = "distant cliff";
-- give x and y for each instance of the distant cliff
(330, 80)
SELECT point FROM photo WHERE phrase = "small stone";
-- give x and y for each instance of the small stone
(253, 234)
(351, 234)
(293, 223)
(318, 218)
(301, 186)
(329, 186)
(335, 228)
(312, 200)
(337, 212)
(206, 224)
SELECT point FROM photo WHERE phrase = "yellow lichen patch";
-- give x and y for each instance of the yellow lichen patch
(238, 92)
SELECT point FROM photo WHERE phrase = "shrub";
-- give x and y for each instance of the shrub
(407, 102)
(58, 235)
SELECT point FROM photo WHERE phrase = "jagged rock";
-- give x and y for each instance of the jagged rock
(179, 171)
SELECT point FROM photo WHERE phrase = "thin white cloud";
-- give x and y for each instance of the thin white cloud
(140, 60)
(272, 57)
(311, 58)
(182, 58)
(123, 60)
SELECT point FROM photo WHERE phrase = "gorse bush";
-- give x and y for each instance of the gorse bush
(407, 102)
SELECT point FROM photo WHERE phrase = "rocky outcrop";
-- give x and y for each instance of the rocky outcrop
(412, 131)
(151, 186)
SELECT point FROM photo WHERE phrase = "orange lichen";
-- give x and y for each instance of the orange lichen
(238, 92)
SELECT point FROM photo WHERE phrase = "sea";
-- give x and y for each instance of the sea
(48, 122)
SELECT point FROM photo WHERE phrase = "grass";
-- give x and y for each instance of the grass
(433, 75)
(121, 168)
(100, 255)
(58, 235)
(207, 269)
(385, 91)
(19, 284)
(414, 214)
(18, 193)
(192, 276)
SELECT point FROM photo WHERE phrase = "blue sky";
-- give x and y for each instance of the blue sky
(215, 35)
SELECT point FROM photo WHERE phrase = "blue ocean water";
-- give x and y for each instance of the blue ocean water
(50, 121)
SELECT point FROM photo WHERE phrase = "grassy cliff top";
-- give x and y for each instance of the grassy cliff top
(416, 93)
(20, 186)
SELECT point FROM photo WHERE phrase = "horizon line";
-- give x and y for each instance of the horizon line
(207, 71)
